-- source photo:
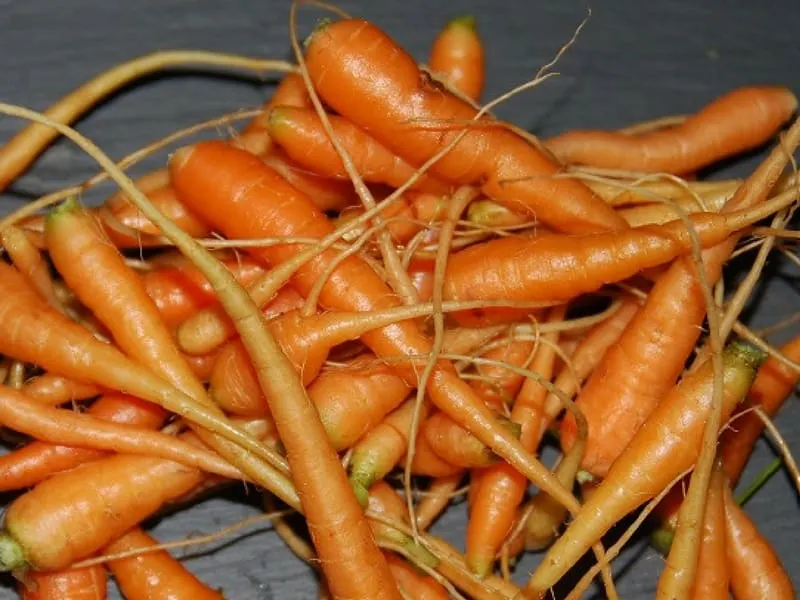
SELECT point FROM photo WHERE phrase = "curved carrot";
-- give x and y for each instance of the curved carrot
(415, 118)
(665, 446)
(756, 571)
(246, 199)
(457, 55)
(87, 583)
(300, 133)
(561, 267)
(154, 575)
(738, 121)
(37, 460)
(772, 387)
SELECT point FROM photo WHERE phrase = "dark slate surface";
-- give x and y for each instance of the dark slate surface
(633, 61)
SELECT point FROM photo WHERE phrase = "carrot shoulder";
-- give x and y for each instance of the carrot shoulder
(406, 111)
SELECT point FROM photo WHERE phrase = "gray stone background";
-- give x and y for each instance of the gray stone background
(633, 61)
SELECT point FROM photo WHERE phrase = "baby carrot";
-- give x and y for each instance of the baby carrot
(37, 460)
(300, 133)
(154, 575)
(86, 583)
(414, 117)
(738, 121)
(666, 445)
(30, 262)
(54, 389)
(436, 498)
(755, 569)
(457, 56)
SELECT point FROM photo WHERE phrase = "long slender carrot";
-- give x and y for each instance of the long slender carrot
(755, 569)
(70, 428)
(738, 121)
(561, 267)
(773, 385)
(87, 583)
(300, 133)
(414, 117)
(154, 575)
(665, 446)
(457, 55)
(37, 460)
(248, 201)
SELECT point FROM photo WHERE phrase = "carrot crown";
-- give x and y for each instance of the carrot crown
(12, 558)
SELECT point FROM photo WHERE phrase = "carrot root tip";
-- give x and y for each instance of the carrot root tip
(12, 558)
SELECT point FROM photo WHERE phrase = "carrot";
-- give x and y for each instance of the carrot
(409, 114)
(37, 460)
(534, 268)
(413, 583)
(426, 461)
(666, 445)
(154, 575)
(457, 446)
(75, 429)
(300, 133)
(244, 199)
(180, 291)
(436, 499)
(736, 122)
(494, 506)
(710, 572)
(773, 385)
(87, 583)
(54, 389)
(755, 569)
(665, 329)
(457, 56)
(27, 258)
(96, 270)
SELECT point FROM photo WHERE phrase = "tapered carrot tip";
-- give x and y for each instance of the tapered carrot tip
(12, 557)
(661, 540)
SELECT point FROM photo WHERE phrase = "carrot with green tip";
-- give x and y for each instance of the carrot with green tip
(664, 447)
(457, 55)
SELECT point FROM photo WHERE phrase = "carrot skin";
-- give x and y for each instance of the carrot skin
(457, 55)
(88, 583)
(409, 114)
(155, 575)
(666, 445)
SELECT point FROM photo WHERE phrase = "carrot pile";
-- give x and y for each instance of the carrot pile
(375, 302)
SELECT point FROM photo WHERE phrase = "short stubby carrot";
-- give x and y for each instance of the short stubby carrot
(406, 111)
(244, 198)
(155, 575)
(666, 445)
(736, 122)
(299, 131)
(457, 55)
(85, 583)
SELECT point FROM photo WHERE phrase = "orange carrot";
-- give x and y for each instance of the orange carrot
(385, 502)
(87, 583)
(755, 569)
(457, 56)
(437, 497)
(665, 446)
(736, 122)
(416, 118)
(54, 389)
(299, 131)
(494, 506)
(30, 262)
(413, 583)
(154, 575)
(426, 461)
(457, 446)
(37, 460)
(246, 199)
(773, 385)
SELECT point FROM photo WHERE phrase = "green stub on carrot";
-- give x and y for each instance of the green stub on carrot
(465, 21)
(12, 557)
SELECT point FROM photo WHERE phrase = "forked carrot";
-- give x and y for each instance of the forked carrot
(665, 446)
(738, 121)
(155, 575)
(37, 460)
(755, 569)
(245, 199)
(300, 133)
(457, 56)
(415, 118)
(86, 583)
